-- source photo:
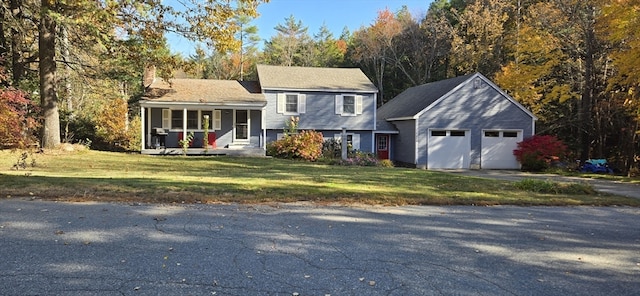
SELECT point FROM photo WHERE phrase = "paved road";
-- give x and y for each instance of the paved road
(606, 186)
(55, 248)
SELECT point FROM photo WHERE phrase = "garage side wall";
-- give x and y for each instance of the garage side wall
(475, 106)
(403, 145)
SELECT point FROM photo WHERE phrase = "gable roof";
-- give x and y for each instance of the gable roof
(415, 99)
(314, 79)
(224, 92)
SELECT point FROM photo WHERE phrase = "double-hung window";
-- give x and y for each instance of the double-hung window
(291, 103)
(348, 105)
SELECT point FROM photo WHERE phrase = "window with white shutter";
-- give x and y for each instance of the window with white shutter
(348, 105)
(166, 118)
(291, 104)
(217, 119)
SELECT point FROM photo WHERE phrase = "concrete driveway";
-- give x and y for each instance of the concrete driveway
(55, 248)
(606, 186)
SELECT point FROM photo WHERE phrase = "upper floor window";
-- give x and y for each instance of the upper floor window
(348, 105)
(291, 104)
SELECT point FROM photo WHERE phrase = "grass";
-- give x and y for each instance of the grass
(602, 176)
(105, 176)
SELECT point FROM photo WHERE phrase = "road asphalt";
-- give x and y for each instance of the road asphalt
(59, 248)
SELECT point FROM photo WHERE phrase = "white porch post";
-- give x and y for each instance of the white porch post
(344, 143)
(263, 120)
(142, 129)
(184, 123)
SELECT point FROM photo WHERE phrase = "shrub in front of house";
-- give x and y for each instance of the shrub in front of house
(361, 159)
(332, 154)
(536, 153)
(305, 145)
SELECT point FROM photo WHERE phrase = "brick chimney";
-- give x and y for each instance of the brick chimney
(149, 76)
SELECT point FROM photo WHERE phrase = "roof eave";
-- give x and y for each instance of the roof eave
(223, 104)
(340, 90)
(402, 118)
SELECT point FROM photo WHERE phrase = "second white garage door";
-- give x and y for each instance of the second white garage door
(449, 149)
(497, 149)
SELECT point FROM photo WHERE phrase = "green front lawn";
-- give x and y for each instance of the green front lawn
(105, 176)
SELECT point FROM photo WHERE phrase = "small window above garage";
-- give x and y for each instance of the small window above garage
(492, 134)
(510, 134)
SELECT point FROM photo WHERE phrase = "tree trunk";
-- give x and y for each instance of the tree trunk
(586, 103)
(17, 62)
(49, 100)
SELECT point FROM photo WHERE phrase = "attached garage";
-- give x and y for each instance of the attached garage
(497, 149)
(449, 149)
(465, 122)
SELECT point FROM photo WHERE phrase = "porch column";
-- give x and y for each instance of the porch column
(343, 142)
(184, 123)
(263, 123)
(142, 129)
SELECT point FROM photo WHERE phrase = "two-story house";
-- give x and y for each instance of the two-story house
(324, 99)
(243, 116)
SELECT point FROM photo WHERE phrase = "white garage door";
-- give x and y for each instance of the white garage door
(497, 149)
(449, 149)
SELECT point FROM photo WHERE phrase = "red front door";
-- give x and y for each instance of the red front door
(382, 146)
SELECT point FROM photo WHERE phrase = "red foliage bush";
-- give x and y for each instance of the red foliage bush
(18, 122)
(536, 153)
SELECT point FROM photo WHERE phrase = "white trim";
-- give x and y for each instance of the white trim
(357, 104)
(142, 128)
(330, 90)
(178, 105)
(166, 118)
(375, 112)
(471, 80)
(401, 118)
(302, 103)
(235, 126)
(184, 123)
(281, 103)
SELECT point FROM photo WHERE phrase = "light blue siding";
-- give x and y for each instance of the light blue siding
(366, 137)
(320, 113)
(404, 143)
(475, 109)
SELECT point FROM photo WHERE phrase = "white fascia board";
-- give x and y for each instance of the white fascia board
(402, 118)
(440, 99)
(507, 96)
(332, 90)
(172, 105)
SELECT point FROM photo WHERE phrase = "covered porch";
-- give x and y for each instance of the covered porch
(217, 117)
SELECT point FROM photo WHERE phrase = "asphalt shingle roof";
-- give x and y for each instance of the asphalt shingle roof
(314, 78)
(415, 99)
(205, 91)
